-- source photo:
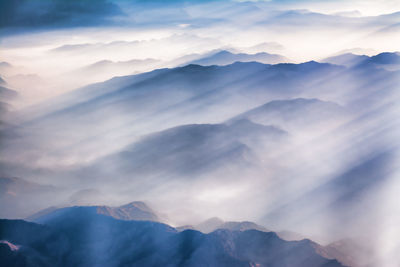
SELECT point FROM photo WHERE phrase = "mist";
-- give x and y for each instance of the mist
(282, 113)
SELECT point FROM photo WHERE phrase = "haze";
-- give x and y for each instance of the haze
(285, 113)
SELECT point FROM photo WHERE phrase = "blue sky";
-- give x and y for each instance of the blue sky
(64, 13)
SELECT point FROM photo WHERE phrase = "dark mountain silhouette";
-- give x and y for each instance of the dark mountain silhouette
(79, 238)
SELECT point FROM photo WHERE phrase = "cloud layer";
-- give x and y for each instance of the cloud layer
(35, 14)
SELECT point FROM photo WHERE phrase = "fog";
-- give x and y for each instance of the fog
(111, 110)
(55, 56)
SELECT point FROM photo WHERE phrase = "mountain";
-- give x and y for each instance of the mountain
(386, 58)
(215, 223)
(190, 150)
(348, 252)
(204, 81)
(383, 60)
(24, 233)
(7, 69)
(242, 226)
(5, 93)
(290, 235)
(4, 109)
(174, 132)
(106, 69)
(6, 97)
(265, 46)
(41, 213)
(209, 225)
(2, 81)
(134, 211)
(5, 64)
(111, 66)
(186, 95)
(79, 238)
(347, 59)
(225, 58)
(294, 114)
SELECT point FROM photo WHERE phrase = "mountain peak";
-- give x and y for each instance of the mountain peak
(225, 57)
(386, 58)
(5, 64)
(223, 53)
(346, 59)
(134, 211)
(137, 205)
(214, 220)
(209, 225)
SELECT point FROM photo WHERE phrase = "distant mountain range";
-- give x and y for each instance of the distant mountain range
(106, 69)
(193, 149)
(226, 58)
(200, 130)
(281, 113)
(214, 224)
(387, 60)
(348, 59)
(186, 95)
(199, 133)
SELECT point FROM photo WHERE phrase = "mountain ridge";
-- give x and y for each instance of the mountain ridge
(135, 210)
(192, 248)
